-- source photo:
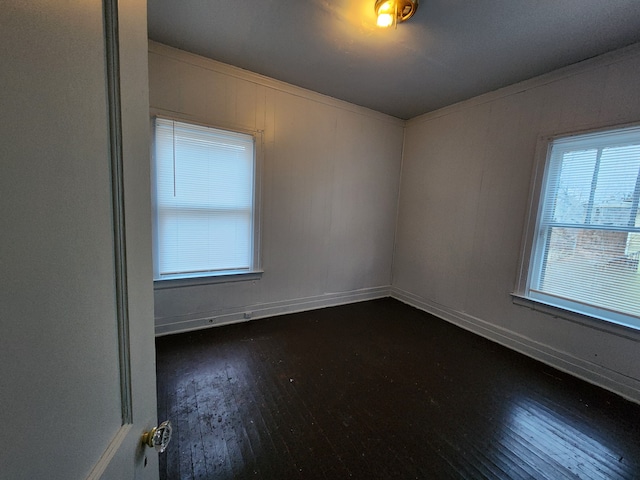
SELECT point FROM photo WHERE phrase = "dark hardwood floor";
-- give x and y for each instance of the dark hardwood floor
(380, 390)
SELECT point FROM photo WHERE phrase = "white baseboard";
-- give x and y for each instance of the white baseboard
(185, 323)
(611, 380)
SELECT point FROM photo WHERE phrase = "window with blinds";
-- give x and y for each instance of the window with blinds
(586, 248)
(205, 201)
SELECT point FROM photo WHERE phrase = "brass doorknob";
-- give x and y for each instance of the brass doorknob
(159, 437)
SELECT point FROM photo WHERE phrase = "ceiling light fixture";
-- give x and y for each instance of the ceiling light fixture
(392, 12)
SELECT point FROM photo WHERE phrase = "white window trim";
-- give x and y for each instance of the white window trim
(207, 280)
(594, 323)
(618, 324)
(255, 273)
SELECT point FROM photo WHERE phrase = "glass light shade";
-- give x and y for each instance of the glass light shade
(392, 12)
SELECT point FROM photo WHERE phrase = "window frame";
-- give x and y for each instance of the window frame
(592, 316)
(255, 271)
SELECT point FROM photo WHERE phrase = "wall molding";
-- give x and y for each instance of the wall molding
(262, 80)
(598, 375)
(114, 110)
(578, 68)
(200, 320)
(114, 447)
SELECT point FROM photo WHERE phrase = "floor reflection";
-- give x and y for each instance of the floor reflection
(377, 390)
(551, 445)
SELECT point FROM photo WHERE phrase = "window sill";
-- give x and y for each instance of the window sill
(620, 329)
(207, 280)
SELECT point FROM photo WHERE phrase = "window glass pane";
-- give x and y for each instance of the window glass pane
(193, 241)
(596, 267)
(204, 199)
(616, 183)
(573, 186)
(585, 255)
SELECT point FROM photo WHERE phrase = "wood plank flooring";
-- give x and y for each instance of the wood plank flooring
(380, 390)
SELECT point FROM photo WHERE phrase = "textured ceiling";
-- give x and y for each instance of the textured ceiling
(449, 51)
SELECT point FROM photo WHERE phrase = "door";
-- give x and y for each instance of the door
(77, 360)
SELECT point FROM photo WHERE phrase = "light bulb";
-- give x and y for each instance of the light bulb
(384, 20)
(392, 12)
(386, 12)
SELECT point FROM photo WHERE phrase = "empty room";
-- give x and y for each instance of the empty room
(424, 197)
(319, 240)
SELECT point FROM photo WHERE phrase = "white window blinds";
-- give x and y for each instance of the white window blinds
(586, 250)
(204, 200)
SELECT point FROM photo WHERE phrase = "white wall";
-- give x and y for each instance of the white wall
(330, 189)
(330, 185)
(464, 195)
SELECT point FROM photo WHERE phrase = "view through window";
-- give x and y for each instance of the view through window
(587, 243)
